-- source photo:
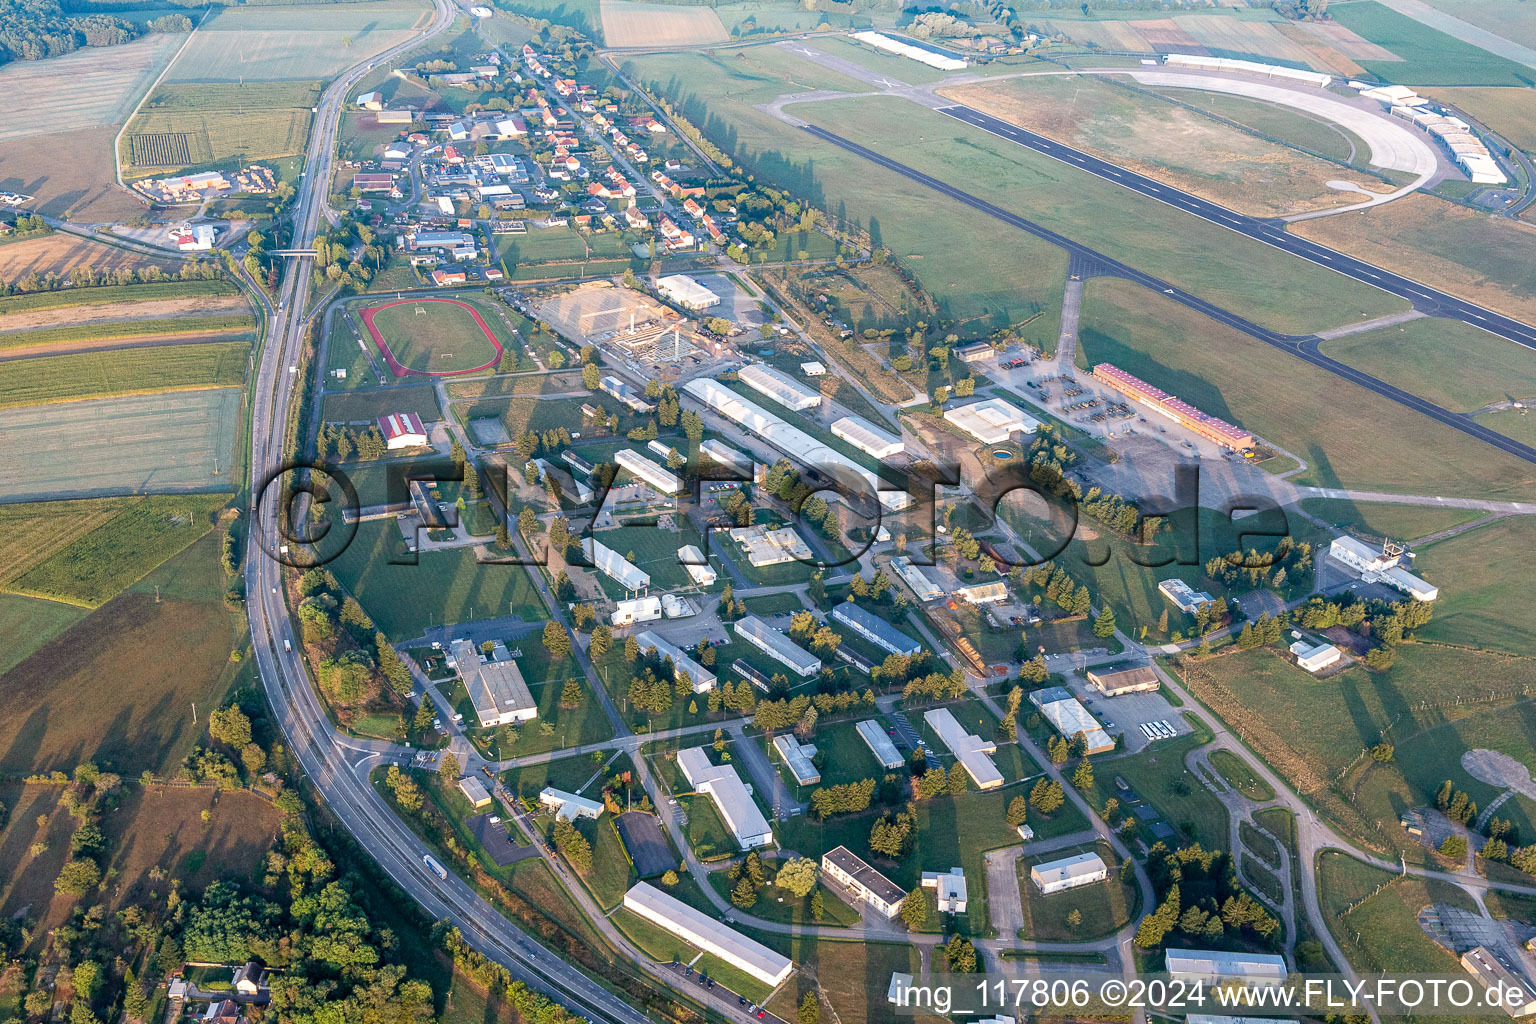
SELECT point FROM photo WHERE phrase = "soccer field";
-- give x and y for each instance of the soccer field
(433, 337)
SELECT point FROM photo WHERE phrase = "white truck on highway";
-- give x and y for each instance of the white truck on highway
(437, 869)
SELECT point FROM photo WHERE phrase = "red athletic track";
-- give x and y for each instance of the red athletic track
(401, 371)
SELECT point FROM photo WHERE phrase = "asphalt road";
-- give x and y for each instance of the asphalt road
(338, 766)
(1304, 347)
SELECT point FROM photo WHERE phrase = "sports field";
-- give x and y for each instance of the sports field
(1453, 364)
(1349, 437)
(432, 337)
(1163, 140)
(628, 23)
(92, 87)
(182, 441)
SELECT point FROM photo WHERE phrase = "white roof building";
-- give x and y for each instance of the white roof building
(766, 546)
(867, 437)
(875, 629)
(402, 430)
(913, 576)
(984, 593)
(1214, 967)
(1068, 717)
(969, 749)
(1184, 597)
(1068, 873)
(731, 797)
(948, 889)
(686, 292)
(1251, 67)
(640, 609)
(496, 688)
(798, 756)
(652, 472)
(814, 368)
(880, 744)
(703, 678)
(1381, 565)
(778, 646)
(569, 805)
(934, 60)
(618, 568)
(992, 421)
(727, 456)
(697, 565)
(707, 933)
(1315, 657)
(780, 387)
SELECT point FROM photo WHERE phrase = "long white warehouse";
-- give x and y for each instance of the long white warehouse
(778, 646)
(652, 472)
(727, 456)
(618, 568)
(703, 678)
(1068, 716)
(992, 421)
(797, 444)
(780, 387)
(708, 934)
(730, 795)
(970, 750)
(905, 49)
(880, 744)
(865, 436)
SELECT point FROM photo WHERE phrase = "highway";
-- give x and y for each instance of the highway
(1304, 347)
(338, 766)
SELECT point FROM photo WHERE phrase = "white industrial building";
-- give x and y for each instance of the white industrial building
(652, 472)
(798, 756)
(797, 444)
(992, 421)
(1213, 967)
(615, 566)
(1184, 597)
(813, 368)
(1068, 717)
(1381, 565)
(766, 546)
(948, 889)
(698, 566)
(922, 587)
(703, 678)
(569, 805)
(640, 609)
(867, 437)
(875, 629)
(880, 744)
(1068, 873)
(780, 387)
(984, 593)
(675, 606)
(496, 688)
(934, 60)
(730, 795)
(727, 456)
(1117, 682)
(778, 646)
(861, 882)
(969, 749)
(686, 292)
(1315, 657)
(1252, 67)
(707, 933)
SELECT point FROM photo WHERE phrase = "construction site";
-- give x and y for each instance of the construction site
(601, 313)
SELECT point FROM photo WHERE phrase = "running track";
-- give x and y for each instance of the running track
(401, 371)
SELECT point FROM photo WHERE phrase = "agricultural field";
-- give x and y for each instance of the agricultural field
(30, 533)
(434, 337)
(968, 262)
(1451, 363)
(185, 125)
(1510, 22)
(301, 42)
(1487, 260)
(232, 327)
(104, 687)
(1349, 436)
(164, 826)
(83, 188)
(104, 84)
(1165, 141)
(1250, 279)
(1483, 575)
(179, 441)
(1428, 56)
(1400, 522)
(28, 623)
(630, 23)
(59, 254)
(118, 302)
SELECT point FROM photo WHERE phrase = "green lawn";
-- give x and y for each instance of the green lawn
(1241, 777)
(437, 336)
(556, 727)
(775, 904)
(1105, 906)
(1259, 844)
(1159, 776)
(707, 834)
(28, 623)
(348, 407)
(1484, 576)
(774, 604)
(567, 773)
(1429, 56)
(1400, 522)
(1453, 364)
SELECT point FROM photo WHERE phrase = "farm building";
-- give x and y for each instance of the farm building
(867, 437)
(880, 744)
(1184, 597)
(1068, 873)
(861, 882)
(923, 588)
(708, 934)
(777, 646)
(569, 805)
(1068, 717)
(640, 609)
(698, 567)
(616, 567)
(731, 798)
(703, 678)
(1212, 967)
(475, 792)
(969, 749)
(771, 547)
(1176, 409)
(686, 292)
(992, 421)
(780, 387)
(798, 756)
(948, 889)
(371, 101)
(496, 687)
(402, 430)
(876, 630)
(1315, 657)
(658, 476)
(1136, 679)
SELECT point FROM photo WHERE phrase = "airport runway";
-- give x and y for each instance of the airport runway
(1302, 346)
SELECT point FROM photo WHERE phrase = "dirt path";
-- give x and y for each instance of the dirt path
(154, 309)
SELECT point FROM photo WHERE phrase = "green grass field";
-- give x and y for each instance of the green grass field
(543, 245)
(27, 624)
(1283, 124)
(445, 339)
(110, 294)
(1401, 522)
(347, 407)
(1159, 775)
(1448, 362)
(1430, 57)
(1483, 575)
(240, 326)
(129, 371)
(1349, 436)
(30, 533)
(1240, 777)
(1105, 906)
